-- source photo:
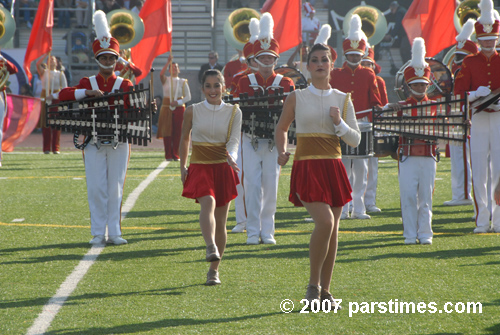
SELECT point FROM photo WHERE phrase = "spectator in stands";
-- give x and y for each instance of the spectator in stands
(26, 13)
(63, 14)
(82, 9)
(136, 6)
(396, 31)
(213, 57)
(310, 24)
(325, 2)
(109, 5)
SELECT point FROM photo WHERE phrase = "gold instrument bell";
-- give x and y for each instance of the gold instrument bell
(126, 26)
(7, 26)
(373, 23)
(236, 27)
(467, 9)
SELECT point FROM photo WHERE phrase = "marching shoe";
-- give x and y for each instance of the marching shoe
(360, 216)
(344, 216)
(313, 293)
(116, 240)
(212, 278)
(496, 229)
(253, 240)
(57, 152)
(458, 202)
(268, 240)
(212, 253)
(373, 209)
(98, 239)
(240, 227)
(425, 241)
(411, 241)
(325, 295)
(46, 152)
(482, 230)
(0, 164)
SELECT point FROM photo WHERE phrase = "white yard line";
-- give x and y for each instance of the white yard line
(50, 310)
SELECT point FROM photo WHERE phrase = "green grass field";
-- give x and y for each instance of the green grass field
(154, 284)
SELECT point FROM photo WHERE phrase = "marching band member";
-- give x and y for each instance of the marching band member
(105, 166)
(461, 182)
(261, 170)
(310, 24)
(11, 69)
(361, 82)
(53, 81)
(417, 167)
(125, 68)
(239, 202)
(319, 181)
(478, 77)
(233, 67)
(215, 128)
(176, 94)
(371, 184)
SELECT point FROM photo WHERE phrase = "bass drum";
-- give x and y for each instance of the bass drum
(441, 81)
(294, 74)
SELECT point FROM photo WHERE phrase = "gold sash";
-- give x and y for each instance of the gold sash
(317, 146)
(208, 153)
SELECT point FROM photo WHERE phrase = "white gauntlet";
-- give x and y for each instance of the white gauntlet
(481, 91)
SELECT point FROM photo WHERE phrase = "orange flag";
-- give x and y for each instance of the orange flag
(40, 41)
(157, 17)
(287, 18)
(433, 21)
(22, 117)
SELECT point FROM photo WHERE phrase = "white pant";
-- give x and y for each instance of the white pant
(2, 115)
(105, 170)
(239, 202)
(416, 184)
(261, 176)
(461, 182)
(371, 184)
(484, 142)
(357, 171)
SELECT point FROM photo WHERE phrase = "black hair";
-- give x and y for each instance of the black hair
(212, 72)
(319, 46)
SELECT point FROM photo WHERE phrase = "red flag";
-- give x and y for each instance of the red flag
(22, 117)
(40, 41)
(157, 17)
(433, 21)
(287, 16)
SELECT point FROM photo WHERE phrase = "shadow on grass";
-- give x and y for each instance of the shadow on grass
(150, 214)
(154, 325)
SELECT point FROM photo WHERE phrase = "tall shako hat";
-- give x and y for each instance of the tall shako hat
(354, 43)
(487, 27)
(369, 56)
(323, 36)
(104, 42)
(418, 71)
(308, 9)
(253, 27)
(464, 44)
(266, 44)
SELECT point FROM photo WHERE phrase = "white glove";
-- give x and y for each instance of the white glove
(481, 91)
(495, 106)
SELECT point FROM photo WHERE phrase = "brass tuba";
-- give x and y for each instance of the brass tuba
(373, 23)
(467, 9)
(126, 26)
(7, 29)
(236, 30)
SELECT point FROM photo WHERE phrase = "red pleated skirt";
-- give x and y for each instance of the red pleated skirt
(218, 180)
(320, 180)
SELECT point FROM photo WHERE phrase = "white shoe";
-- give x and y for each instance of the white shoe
(98, 239)
(373, 209)
(239, 228)
(425, 240)
(411, 241)
(117, 240)
(344, 216)
(253, 240)
(0, 164)
(461, 202)
(268, 240)
(360, 216)
(482, 230)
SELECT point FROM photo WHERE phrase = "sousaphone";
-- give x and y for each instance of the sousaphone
(236, 27)
(7, 29)
(467, 9)
(373, 23)
(126, 26)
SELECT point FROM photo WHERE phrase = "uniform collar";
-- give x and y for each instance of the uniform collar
(110, 78)
(319, 92)
(213, 107)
